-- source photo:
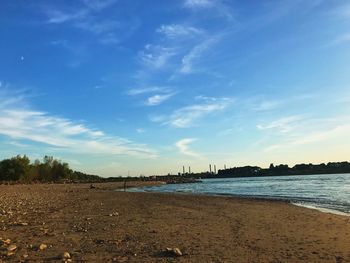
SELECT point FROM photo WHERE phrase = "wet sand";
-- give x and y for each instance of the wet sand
(101, 225)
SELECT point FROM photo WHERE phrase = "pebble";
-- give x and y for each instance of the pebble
(6, 241)
(174, 251)
(11, 248)
(10, 253)
(66, 256)
(42, 246)
(114, 214)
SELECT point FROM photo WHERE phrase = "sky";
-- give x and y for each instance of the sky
(119, 87)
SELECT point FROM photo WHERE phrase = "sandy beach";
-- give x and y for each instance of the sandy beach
(39, 223)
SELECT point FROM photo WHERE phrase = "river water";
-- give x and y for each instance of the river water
(329, 193)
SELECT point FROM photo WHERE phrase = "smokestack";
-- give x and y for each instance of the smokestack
(225, 166)
(210, 168)
(214, 168)
(183, 169)
(189, 169)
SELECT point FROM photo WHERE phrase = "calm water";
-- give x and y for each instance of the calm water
(315, 191)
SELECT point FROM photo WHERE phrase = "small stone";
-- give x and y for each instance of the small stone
(42, 247)
(11, 248)
(114, 214)
(66, 256)
(177, 252)
(174, 251)
(10, 253)
(7, 241)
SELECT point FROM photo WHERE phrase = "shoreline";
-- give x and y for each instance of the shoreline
(300, 203)
(104, 225)
(322, 209)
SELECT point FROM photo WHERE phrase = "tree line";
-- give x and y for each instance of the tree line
(283, 169)
(19, 168)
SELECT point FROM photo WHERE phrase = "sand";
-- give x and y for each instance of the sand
(101, 225)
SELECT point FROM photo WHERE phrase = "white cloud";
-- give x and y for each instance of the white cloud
(198, 3)
(87, 18)
(140, 91)
(215, 7)
(21, 123)
(187, 116)
(158, 118)
(99, 4)
(285, 124)
(195, 53)
(98, 27)
(175, 31)
(56, 16)
(156, 56)
(339, 133)
(183, 147)
(297, 131)
(158, 99)
(266, 105)
(18, 144)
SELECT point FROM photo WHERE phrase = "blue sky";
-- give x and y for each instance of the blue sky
(148, 86)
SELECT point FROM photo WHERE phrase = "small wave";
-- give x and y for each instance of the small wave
(321, 209)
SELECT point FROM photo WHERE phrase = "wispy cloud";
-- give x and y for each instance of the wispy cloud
(158, 99)
(266, 105)
(174, 31)
(156, 56)
(187, 116)
(183, 147)
(195, 53)
(216, 7)
(299, 130)
(285, 124)
(99, 4)
(339, 132)
(18, 144)
(86, 17)
(139, 91)
(58, 17)
(98, 28)
(198, 3)
(21, 123)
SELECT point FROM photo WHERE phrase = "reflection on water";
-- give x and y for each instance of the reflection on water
(330, 191)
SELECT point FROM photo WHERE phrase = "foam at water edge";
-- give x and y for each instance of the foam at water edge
(324, 210)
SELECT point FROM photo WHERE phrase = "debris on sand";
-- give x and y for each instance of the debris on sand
(11, 250)
(42, 247)
(114, 214)
(174, 252)
(66, 257)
